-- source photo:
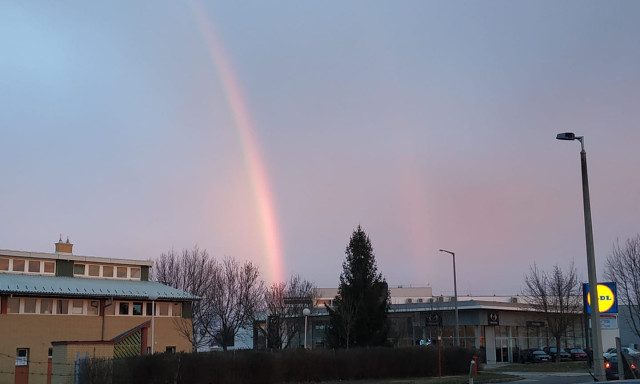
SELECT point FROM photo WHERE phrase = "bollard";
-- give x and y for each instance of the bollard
(475, 366)
(472, 367)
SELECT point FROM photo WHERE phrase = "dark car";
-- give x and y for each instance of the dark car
(611, 369)
(577, 354)
(534, 356)
(552, 351)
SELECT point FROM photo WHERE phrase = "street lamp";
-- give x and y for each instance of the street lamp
(596, 332)
(153, 297)
(455, 295)
(306, 312)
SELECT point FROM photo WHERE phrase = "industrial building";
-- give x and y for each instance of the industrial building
(57, 307)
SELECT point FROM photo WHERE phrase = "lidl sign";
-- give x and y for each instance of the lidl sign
(607, 299)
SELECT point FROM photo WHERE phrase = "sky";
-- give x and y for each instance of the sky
(268, 131)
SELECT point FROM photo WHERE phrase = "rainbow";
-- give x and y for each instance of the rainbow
(253, 158)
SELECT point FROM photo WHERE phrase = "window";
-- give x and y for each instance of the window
(93, 308)
(121, 272)
(78, 269)
(77, 307)
(137, 309)
(22, 356)
(94, 270)
(49, 267)
(13, 305)
(4, 264)
(176, 311)
(171, 349)
(50, 353)
(135, 273)
(18, 265)
(110, 309)
(107, 271)
(149, 309)
(46, 306)
(34, 266)
(163, 309)
(63, 307)
(123, 308)
(29, 305)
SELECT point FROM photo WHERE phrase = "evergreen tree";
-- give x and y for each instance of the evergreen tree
(359, 314)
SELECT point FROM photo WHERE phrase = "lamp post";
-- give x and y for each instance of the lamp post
(455, 296)
(153, 297)
(306, 312)
(596, 332)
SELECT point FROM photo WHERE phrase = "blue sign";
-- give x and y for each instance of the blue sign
(607, 298)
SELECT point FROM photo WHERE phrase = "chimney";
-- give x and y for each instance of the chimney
(64, 247)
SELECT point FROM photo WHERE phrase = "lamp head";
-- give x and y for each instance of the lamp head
(566, 136)
(306, 312)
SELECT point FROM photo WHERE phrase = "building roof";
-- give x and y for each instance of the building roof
(69, 256)
(22, 284)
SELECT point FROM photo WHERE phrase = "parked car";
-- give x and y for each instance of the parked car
(611, 369)
(534, 356)
(552, 351)
(577, 354)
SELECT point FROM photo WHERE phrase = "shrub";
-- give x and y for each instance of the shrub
(276, 367)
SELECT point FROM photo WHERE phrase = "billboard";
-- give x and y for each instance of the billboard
(607, 298)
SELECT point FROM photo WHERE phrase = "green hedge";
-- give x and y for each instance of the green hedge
(276, 367)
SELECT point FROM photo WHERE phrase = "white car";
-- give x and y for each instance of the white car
(613, 352)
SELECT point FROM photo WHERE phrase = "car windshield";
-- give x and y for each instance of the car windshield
(538, 353)
(577, 351)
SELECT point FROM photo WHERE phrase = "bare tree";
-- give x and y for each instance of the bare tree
(557, 295)
(235, 296)
(623, 267)
(191, 272)
(284, 305)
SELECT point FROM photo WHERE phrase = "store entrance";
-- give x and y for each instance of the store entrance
(503, 353)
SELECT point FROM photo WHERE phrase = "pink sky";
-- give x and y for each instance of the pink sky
(430, 124)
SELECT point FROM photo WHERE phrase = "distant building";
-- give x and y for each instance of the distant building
(498, 326)
(56, 307)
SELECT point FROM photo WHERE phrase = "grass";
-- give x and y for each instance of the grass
(563, 366)
(483, 377)
(493, 375)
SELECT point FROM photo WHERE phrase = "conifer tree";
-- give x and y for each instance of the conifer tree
(359, 314)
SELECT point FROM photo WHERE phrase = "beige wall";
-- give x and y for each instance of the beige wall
(36, 332)
(64, 357)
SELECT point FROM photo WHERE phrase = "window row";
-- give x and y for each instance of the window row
(27, 265)
(32, 305)
(107, 271)
(46, 306)
(140, 308)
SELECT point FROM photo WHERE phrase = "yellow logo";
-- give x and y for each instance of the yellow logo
(606, 298)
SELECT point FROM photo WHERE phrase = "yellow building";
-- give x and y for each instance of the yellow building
(57, 306)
